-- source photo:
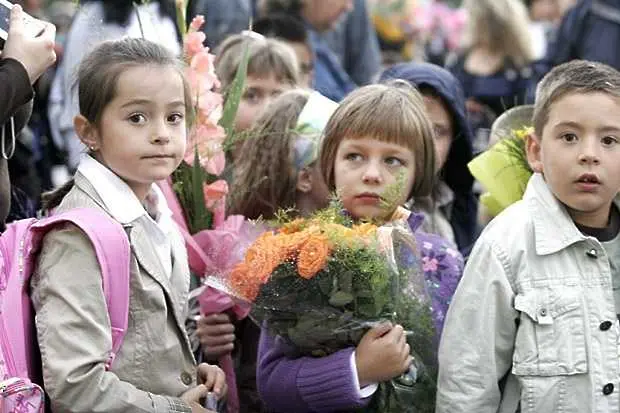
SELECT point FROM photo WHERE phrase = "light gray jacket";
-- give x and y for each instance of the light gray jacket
(155, 364)
(535, 306)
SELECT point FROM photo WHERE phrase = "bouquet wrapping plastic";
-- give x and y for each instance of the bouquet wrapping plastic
(321, 283)
(503, 169)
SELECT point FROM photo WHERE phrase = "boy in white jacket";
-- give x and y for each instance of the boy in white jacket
(534, 319)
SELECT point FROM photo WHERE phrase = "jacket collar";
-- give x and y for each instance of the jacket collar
(554, 229)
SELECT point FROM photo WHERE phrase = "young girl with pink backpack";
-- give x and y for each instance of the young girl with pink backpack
(135, 111)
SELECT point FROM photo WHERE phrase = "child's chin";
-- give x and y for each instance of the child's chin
(369, 213)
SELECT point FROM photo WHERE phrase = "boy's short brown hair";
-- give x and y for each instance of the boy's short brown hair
(577, 76)
(393, 112)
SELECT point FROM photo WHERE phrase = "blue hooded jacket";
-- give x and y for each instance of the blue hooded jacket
(455, 172)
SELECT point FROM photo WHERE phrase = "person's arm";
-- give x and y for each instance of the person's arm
(16, 93)
(15, 88)
(357, 46)
(478, 337)
(74, 333)
(364, 58)
(306, 384)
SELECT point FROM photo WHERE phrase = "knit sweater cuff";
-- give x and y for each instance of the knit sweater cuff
(327, 384)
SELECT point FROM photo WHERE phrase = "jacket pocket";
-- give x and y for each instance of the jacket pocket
(550, 340)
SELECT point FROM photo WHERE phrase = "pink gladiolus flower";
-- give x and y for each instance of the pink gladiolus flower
(216, 163)
(202, 62)
(194, 43)
(197, 23)
(215, 192)
(207, 140)
(208, 103)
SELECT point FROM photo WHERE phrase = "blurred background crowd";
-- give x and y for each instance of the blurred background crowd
(497, 49)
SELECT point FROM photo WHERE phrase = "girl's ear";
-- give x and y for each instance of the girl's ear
(87, 132)
(534, 152)
(304, 181)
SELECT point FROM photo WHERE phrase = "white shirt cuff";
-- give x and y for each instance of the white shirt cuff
(366, 391)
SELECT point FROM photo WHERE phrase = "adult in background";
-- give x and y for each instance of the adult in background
(320, 16)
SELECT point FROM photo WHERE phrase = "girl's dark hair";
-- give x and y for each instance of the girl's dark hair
(291, 7)
(282, 26)
(266, 179)
(119, 11)
(98, 76)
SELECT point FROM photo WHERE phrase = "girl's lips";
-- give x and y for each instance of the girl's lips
(370, 199)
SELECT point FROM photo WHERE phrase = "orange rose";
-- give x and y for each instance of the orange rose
(263, 257)
(312, 256)
(242, 283)
(290, 244)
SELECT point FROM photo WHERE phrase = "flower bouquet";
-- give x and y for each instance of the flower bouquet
(322, 282)
(503, 169)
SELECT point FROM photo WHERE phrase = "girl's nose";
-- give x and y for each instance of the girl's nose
(372, 174)
(161, 135)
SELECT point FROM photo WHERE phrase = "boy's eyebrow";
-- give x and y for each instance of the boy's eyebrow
(576, 125)
(570, 124)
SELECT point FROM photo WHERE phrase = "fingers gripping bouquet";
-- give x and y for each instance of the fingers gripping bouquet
(322, 282)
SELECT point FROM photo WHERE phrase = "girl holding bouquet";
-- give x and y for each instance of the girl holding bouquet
(379, 140)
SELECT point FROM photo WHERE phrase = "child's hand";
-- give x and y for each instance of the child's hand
(192, 398)
(382, 354)
(216, 334)
(213, 378)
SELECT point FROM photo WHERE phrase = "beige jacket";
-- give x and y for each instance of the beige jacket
(155, 364)
(535, 305)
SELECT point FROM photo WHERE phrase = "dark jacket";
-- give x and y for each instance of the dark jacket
(463, 216)
(589, 31)
(15, 102)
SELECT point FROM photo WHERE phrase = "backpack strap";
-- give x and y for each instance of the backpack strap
(113, 252)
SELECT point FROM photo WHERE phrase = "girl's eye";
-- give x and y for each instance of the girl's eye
(569, 137)
(175, 118)
(252, 96)
(609, 140)
(354, 157)
(393, 161)
(137, 118)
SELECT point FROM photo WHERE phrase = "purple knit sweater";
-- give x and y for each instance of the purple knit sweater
(326, 384)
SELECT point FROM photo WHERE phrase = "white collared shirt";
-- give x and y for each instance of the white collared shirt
(124, 206)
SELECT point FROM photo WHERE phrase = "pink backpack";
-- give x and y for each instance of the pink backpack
(20, 364)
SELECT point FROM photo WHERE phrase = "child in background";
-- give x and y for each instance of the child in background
(272, 69)
(277, 169)
(450, 210)
(134, 109)
(292, 31)
(379, 135)
(534, 320)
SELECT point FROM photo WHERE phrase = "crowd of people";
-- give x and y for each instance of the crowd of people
(98, 112)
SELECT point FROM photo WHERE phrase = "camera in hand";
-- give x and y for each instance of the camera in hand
(34, 27)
